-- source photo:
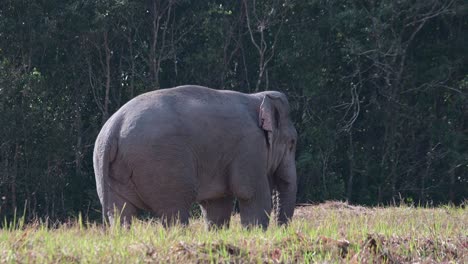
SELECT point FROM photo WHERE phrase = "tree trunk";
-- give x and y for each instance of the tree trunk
(132, 65)
(78, 161)
(5, 176)
(153, 56)
(105, 114)
(14, 176)
(349, 192)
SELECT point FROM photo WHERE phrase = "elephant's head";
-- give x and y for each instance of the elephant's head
(281, 137)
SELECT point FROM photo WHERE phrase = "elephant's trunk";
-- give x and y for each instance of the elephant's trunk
(286, 195)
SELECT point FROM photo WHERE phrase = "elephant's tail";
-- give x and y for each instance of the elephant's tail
(105, 151)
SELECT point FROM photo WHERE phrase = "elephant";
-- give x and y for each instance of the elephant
(167, 149)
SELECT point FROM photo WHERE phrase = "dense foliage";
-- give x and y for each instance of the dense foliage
(378, 89)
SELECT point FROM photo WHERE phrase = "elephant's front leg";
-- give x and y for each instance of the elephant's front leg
(217, 212)
(256, 211)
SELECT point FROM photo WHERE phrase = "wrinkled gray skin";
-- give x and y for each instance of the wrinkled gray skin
(166, 149)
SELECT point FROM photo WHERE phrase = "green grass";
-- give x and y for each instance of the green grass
(332, 232)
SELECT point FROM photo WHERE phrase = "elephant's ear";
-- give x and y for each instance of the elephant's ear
(268, 117)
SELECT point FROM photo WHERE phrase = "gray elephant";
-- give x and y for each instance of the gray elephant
(164, 150)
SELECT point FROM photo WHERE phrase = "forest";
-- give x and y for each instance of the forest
(378, 90)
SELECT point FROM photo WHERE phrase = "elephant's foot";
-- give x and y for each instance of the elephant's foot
(255, 212)
(177, 217)
(121, 212)
(124, 219)
(217, 213)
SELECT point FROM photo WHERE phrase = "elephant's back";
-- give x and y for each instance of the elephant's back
(188, 107)
(189, 114)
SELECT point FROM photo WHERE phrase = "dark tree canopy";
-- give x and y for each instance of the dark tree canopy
(378, 89)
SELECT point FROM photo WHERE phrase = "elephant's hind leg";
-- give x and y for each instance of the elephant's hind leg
(217, 212)
(119, 210)
(166, 181)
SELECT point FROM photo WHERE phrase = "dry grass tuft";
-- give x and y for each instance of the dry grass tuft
(304, 210)
(206, 252)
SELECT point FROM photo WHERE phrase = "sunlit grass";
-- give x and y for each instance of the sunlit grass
(331, 232)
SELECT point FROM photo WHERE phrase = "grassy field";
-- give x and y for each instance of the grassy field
(328, 233)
